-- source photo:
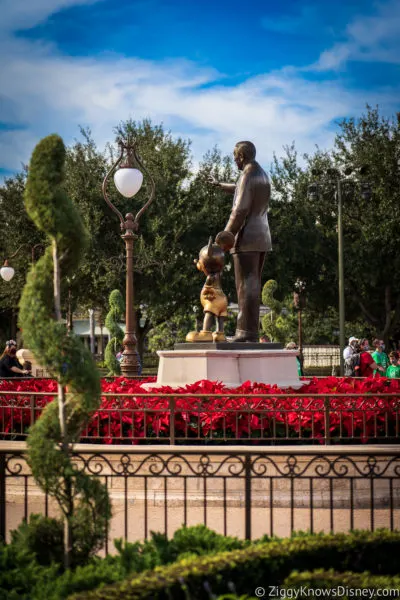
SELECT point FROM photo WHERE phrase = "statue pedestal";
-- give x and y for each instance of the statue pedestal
(232, 367)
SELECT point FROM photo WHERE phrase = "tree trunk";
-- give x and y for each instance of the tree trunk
(141, 333)
(63, 421)
(14, 319)
(92, 326)
(70, 324)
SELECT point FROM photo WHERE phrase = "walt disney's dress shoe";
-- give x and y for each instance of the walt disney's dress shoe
(244, 336)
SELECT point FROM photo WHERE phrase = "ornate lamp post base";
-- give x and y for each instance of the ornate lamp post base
(129, 363)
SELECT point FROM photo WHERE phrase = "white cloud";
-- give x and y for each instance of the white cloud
(368, 38)
(44, 91)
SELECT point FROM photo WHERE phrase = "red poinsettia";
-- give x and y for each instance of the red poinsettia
(206, 409)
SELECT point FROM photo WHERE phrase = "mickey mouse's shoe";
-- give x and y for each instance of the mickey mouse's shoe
(191, 336)
(199, 336)
(219, 336)
(205, 336)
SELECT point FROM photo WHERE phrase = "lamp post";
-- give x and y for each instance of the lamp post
(341, 181)
(128, 180)
(299, 301)
(7, 272)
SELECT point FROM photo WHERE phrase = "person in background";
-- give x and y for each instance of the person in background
(349, 350)
(9, 364)
(367, 364)
(393, 370)
(293, 346)
(264, 339)
(380, 356)
(352, 363)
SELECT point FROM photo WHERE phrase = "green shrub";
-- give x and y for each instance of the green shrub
(235, 597)
(41, 542)
(42, 537)
(186, 542)
(88, 577)
(321, 579)
(20, 573)
(197, 540)
(229, 573)
(263, 564)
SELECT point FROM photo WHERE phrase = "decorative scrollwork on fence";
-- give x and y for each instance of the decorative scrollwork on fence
(15, 464)
(220, 464)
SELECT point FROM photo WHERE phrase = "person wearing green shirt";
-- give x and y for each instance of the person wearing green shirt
(380, 356)
(393, 370)
(293, 346)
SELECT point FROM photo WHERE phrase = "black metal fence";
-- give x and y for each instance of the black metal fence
(242, 492)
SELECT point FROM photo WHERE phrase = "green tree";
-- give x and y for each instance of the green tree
(185, 211)
(305, 229)
(167, 333)
(102, 267)
(17, 232)
(113, 318)
(280, 324)
(302, 247)
(372, 266)
(83, 500)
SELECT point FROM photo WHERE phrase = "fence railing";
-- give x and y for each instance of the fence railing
(243, 492)
(220, 418)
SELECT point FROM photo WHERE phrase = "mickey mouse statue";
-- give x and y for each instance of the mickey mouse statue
(211, 263)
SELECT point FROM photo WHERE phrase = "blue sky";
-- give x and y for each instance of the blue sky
(212, 71)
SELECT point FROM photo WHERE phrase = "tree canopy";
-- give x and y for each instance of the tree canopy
(306, 228)
(187, 210)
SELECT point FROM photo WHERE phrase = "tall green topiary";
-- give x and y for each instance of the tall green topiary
(83, 499)
(117, 309)
(277, 325)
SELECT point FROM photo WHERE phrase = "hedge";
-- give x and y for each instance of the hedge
(321, 579)
(30, 567)
(259, 565)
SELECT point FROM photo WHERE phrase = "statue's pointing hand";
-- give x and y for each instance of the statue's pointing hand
(212, 181)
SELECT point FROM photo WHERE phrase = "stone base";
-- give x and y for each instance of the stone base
(178, 368)
(228, 346)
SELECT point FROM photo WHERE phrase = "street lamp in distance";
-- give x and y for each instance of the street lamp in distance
(7, 272)
(299, 302)
(128, 178)
(340, 181)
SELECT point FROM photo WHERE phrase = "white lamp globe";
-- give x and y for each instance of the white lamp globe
(128, 181)
(7, 273)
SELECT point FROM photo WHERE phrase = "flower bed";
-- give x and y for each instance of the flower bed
(335, 408)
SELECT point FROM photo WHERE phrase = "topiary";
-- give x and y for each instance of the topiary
(278, 324)
(83, 499)
(117, 309)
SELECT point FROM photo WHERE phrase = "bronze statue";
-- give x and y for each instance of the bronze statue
(214, 302)
(248, 222)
